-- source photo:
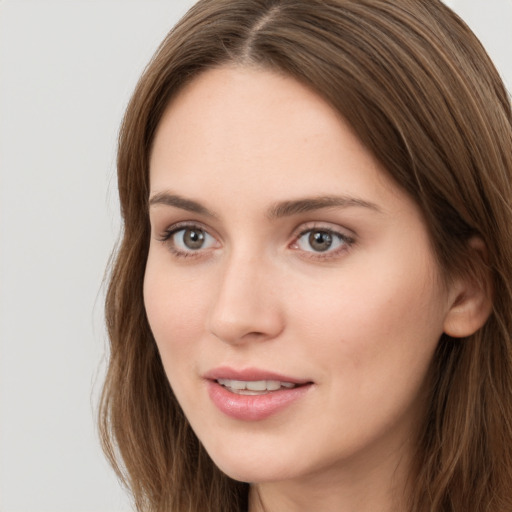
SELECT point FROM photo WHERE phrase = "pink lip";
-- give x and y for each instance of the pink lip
(225, 372)
(252, 407)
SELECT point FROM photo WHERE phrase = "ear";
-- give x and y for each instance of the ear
(471, 301)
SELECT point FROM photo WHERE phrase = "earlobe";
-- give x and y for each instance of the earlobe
(472, 292)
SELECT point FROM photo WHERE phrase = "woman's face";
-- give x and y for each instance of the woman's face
(290, 284)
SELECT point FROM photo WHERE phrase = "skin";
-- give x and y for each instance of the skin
(360, 320)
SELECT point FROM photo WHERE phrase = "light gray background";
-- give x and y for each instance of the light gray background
(67, 69)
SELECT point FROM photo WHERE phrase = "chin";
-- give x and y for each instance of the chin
(252, 475)
(251, 469)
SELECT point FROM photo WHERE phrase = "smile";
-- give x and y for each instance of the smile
(254, 387)
(252, 394)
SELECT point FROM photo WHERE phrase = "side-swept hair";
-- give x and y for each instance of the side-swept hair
(419, 90)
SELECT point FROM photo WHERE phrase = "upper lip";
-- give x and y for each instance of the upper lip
(250, 374)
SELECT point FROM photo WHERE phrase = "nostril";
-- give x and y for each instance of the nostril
(242, 323)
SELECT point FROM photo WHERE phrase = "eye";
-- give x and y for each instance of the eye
(322, 240)
(188, 240)
(191, 239)
(319, 241)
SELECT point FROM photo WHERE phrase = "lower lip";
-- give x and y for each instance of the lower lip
(253, 407)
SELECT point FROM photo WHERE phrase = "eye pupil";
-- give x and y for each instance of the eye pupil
(320, 240)
(193, 238)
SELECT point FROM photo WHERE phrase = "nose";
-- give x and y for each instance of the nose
(247, 303)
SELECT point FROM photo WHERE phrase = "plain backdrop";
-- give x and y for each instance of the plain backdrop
(67, 69)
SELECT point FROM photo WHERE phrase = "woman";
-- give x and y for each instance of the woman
(310, 308)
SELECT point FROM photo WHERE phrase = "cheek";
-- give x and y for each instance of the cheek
(365, 320)
(372, 339)
(175, 306)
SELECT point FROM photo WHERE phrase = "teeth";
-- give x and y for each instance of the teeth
(250, 387)
(237, 384)
(261, 385)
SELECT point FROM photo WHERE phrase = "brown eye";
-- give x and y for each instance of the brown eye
(187, 240)
(193, 238)
(320, 241)
(323, 240)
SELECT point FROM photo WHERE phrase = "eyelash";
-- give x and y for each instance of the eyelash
(166, 239)
(346, 241)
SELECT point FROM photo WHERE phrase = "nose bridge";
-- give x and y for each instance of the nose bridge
(245, 305)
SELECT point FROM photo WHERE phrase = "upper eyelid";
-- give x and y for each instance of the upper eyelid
(304, 227)
(177, 226)
(297, 232)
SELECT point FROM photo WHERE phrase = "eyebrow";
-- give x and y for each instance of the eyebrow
(296, 207)
(276, 211)
(180, 202)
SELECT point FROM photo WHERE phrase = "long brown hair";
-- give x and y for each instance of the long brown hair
(420, 92)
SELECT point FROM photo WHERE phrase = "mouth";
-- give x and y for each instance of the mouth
(255, 387)
(252, 394)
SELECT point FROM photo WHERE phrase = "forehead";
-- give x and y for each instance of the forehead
(253, 133)
(243, 106)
